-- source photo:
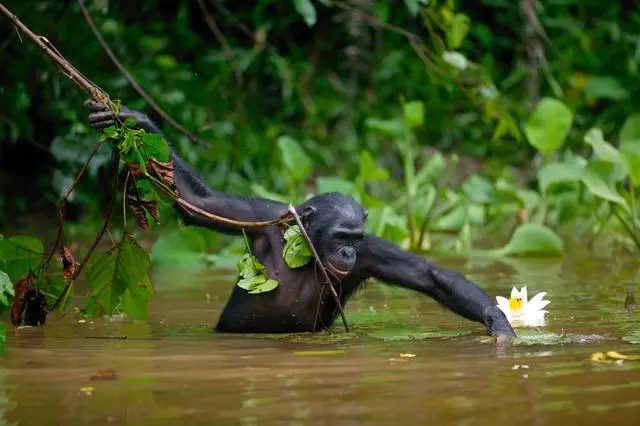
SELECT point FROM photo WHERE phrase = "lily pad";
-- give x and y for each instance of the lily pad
(633, 338)
(417, 333)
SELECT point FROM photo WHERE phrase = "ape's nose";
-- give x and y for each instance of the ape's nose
(347, 253)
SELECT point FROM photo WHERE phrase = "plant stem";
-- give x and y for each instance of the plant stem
(293, 212)
(627, 227)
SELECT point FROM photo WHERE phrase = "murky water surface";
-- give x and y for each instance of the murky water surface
(173, 369)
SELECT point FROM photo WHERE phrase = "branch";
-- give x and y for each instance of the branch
(293, 212)
(65, 67)
(133, 82)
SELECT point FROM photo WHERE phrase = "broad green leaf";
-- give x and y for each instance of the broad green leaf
(630, 132)
(631, 157)
(532, 239)
(479, 189)
(458, 30)
(111, 274)
(552, 174)
(633, 337)
(599, 177)
(549, 125)
(182, 248)
(54, 286)
(605, 88)
(6, 289)
(431, 170)
(328, 184)
(307, 10)
(20, 254)
(155, 146)
(295, 158)
(393, 127)
(452, 221)
(135, 300)
(603, 149)
(296, 251)
(369, 170)
(111, 132)
(414, 113)
(250, 282)
(264, 287)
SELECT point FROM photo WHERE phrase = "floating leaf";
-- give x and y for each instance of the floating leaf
(532, 239)
(599, 176)
(295, 158)
(549, 125)
(527, 337)
(296, 251)
(319, 353)
(633, 338)
(416, 333)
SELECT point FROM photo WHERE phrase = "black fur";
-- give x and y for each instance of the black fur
(335, 223)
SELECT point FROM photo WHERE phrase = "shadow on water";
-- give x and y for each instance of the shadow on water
(407, 361)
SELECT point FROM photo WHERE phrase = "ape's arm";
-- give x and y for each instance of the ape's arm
(389, 263)
(190, 186)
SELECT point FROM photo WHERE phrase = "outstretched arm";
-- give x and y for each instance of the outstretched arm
(389, 263)
(190, 186)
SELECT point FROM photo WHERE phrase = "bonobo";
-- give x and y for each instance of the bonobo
(335, 223)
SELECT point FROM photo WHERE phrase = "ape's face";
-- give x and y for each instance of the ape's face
(337, 229)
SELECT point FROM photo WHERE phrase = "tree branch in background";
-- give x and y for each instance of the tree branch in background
(65, 67)
(211, 23)
(534, 49)
(131, 80)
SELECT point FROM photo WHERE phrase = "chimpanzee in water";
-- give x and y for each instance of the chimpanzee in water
(335, 223)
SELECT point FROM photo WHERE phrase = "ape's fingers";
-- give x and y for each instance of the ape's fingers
(100, 116)
(99, 125)
(93, 105)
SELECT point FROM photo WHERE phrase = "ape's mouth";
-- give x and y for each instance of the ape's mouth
(340, 273)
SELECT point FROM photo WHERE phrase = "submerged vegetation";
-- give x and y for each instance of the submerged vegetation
(458, 132)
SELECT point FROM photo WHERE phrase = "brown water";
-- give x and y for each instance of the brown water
(173, 370)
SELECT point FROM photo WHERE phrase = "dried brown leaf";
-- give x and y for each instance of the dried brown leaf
(163, 171)
(137, 208)
(69, 264)
(17, 308)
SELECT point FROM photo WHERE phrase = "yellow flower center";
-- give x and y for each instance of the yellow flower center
(515, 304)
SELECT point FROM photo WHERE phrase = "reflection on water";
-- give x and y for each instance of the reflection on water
(173, 369)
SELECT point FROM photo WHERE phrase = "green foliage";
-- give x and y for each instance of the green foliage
(531, 239)
(549, 125)
(6, 291)
(181, 248)
(415, 333)
(19, 254)
(119, 280)
(253, 276)
(296, 251)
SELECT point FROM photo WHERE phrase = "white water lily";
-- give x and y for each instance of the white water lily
(522, 312)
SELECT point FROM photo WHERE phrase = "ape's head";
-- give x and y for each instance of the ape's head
(335, 223)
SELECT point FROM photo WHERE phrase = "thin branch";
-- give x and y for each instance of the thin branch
(65, 67)
(65, 291)
(211, 23)
(294, 213)
(133, 82)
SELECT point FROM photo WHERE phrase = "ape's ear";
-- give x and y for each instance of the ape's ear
(308, 213)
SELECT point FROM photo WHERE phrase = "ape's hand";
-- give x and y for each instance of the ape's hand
(101, 118)
(497, 323)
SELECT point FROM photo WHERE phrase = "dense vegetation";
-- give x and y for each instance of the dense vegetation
(450, 121)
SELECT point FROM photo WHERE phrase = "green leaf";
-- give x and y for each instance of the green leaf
(111, 274)
(264, 287)
(414, 113)
(479, 189)
(431, 170)
(296, 251)
(549, 125)
(599, 176)
(393, 128)
(605, 88)
(633, 338)
(295, 158)
(327, 184)
(458, 30)
(135, 300)
(111, 132)
(20, 254)
(532, 239)
(603, 149)
(182, 248)
(452, 221)
(6, 289)
(415, 333)
(253, 275)
(307, 10)
(155, 146)
(54, 287)
(630, 132)
(369, 170)
(552, 174)
(630, 155)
